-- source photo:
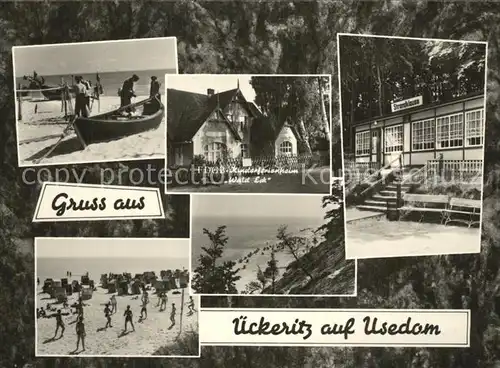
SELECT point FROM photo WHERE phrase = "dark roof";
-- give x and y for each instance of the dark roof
(420, 108)
(187, 111)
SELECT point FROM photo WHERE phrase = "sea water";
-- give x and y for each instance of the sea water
(245, 234)
(111, 81)
(58, 267)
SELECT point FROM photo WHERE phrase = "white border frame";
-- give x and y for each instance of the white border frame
(347, 344)
(79, 43)
(402, 252)
(250, 75)
(354, 294)
(121, 355)
(95, 186)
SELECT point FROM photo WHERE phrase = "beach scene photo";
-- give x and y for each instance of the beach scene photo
(92, 101)
(248, 133)
(262, 245)
(114, 297)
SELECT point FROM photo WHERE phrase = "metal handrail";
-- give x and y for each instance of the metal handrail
(411, 176)
(379, 171)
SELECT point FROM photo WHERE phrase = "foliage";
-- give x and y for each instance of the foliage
(294, 245)
(211, 277)
(378, 71)
(297, 101)
(272, 270)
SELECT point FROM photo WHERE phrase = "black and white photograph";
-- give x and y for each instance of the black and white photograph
(92, 101)
(413, 115)
(248, 134)
(114, 297)
(270, 245)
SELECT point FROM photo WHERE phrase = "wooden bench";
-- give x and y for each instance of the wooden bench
(424, 203)
(463, 210)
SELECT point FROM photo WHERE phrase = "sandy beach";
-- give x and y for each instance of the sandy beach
(149, 335)
(249, 265)
(37, 132)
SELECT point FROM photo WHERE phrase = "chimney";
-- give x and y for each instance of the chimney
(210, 92)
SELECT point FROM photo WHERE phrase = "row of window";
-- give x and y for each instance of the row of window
(215, 150)
(443, 132)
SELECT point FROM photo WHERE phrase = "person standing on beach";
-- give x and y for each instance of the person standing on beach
(80, 333)
(128, 318)
(107, 313)
(127, 91)
(59, 323)
(164, 300)
(145, 297)
(88, 92)
(80, 98)
(144, 311)
(114, 307)
(190, 305)
(154, 88)
(172, 315)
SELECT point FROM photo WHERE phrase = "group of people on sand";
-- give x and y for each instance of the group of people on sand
(80, 325)
(111, 307)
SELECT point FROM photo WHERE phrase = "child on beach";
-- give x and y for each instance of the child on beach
(107, 313)
(59, 323)
(80, 333)
(164, 300)
(144, 311)
(114, 308)
(145, 297)
(190, 305)
(128, 318)
(172, 315)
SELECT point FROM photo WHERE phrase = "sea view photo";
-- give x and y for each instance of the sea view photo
(114, 296)
(281, 245)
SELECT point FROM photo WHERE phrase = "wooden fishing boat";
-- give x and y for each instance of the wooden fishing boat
(117, 124)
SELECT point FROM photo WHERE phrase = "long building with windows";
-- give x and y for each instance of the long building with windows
(453, 130)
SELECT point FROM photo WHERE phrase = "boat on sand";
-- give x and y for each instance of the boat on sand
(132, 119)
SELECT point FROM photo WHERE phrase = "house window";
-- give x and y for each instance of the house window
(394, 139)
(423, 135)
(474, 126)
(285, 148)
(214, 151)
(363, 143)
(244, 150)
(375, 138)
(449, 131)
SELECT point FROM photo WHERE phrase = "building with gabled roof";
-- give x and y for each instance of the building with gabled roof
(221, 125)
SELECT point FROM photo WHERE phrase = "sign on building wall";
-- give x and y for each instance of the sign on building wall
(407, 104)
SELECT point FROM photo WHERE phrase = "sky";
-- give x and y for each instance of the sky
(257, 206)
(92, 57)
(111, 248)
(201, 82)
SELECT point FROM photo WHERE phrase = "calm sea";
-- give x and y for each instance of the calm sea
(246, 233)
(57, 267)
(112, 81)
